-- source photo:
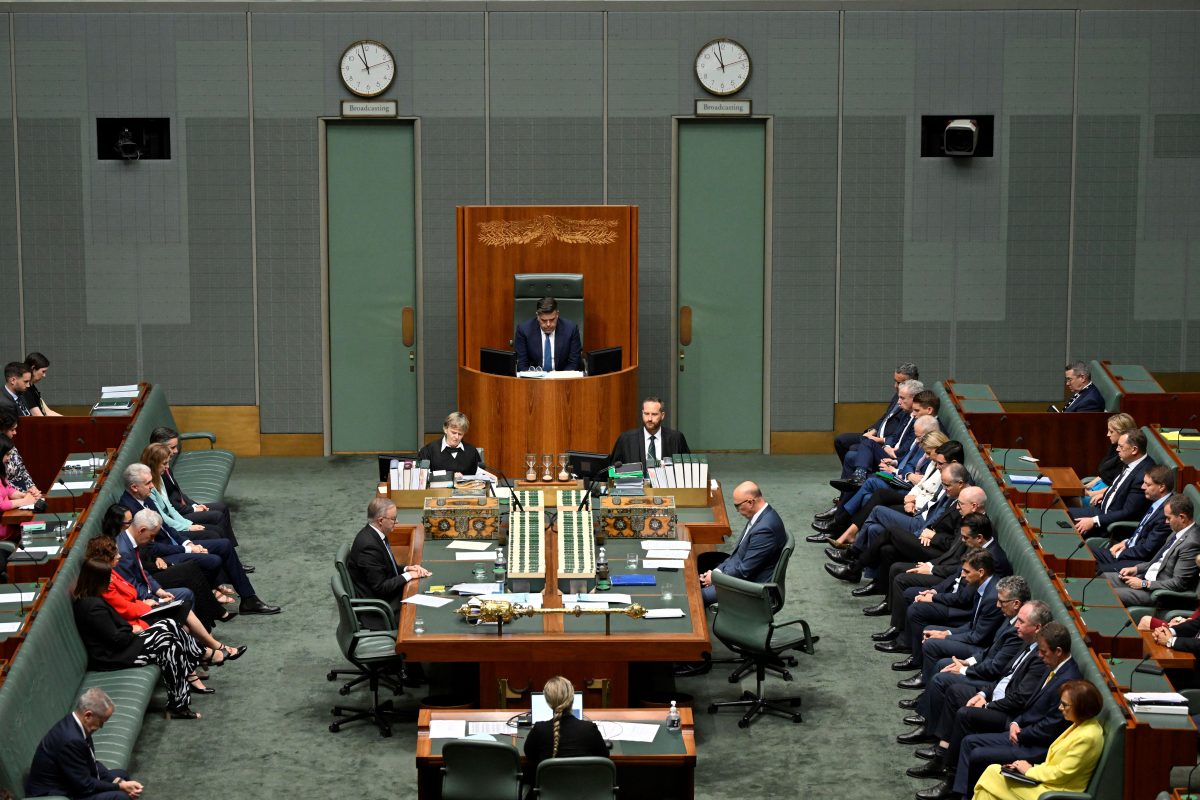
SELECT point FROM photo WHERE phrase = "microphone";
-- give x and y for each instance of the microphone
(1145, 658)
(1082, 542)
(91, 454)
(587, 495)
(1111, 658)
(507, 483)
(1083, 592)
(1032, 484)
(1041, 519)
(1008, 450)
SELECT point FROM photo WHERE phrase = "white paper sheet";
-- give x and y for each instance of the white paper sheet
(474, 588)
(428, 600)
(666, 544)
(627, 731)
(665, 613)
(607, 597)
(447, 728)
(663, 563)
(9, 627)
(48, 549)
(74, 486)
(463, 544)
(501, 728)
(17, 597)
(473, 556)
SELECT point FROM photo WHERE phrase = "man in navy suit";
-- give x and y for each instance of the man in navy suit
(65, 762)
(757, 552)
(373, 569)
(140, 532)
(1124, 500)
(1085, 396)
(1027, 736)
(1144, 543)
(844, 441)
(547, 327)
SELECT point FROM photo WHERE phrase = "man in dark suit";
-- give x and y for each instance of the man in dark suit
(1125, 500)
(140, 532)
(1173, 568)
(1085, 396)
(998, 692)
(1025, 736)
(547, 328)
(1146, 540)
(373, 568)
(214, 515)
(844, 441)
(65, 761)
(1184, 636)
(756, 553)
(17, 378)
(652, 442)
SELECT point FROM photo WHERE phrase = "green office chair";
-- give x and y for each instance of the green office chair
(565, 287)
(775, 589)
(378, 608)
(476, 769)
(745, 623)
(373, 653)
(583, 778)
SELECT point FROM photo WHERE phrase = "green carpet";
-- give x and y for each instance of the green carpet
(265, 732)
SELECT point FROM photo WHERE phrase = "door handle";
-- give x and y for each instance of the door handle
(685, 325)
(408, 327)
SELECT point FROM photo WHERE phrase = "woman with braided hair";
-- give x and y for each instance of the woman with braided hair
(564, 735)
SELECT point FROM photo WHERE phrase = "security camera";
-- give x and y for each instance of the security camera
(960, 137)
(128, 148)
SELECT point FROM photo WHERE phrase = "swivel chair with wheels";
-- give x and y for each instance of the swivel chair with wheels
(745, 623)
(383, 616)
(373, 653)
(480, 770)
(582, 778)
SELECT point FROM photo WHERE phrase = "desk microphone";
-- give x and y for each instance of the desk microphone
(587, 494)
(1032, 484)
(512, 489)
(1083, 593)
(92, 455)
(1008, 450)
(1111, 658)
(1082, 542)
(1145, 658)
(1041, 519)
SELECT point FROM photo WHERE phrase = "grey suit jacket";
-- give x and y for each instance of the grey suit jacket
(1178, 572)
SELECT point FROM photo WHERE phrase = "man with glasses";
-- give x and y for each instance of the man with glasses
(1126, 499)
(757, 551)
(373, 568)
(1084, 396)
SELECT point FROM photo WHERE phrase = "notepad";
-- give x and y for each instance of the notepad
(427, 600)
(74, 486)
(633, 580)
(464, 544)
(663, 563)
(665, 613)
(447, 728)
(607, 597)
(9, 627)
(666, 544)
(473, 556)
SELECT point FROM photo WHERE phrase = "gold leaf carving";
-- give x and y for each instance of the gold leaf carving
(540, 230)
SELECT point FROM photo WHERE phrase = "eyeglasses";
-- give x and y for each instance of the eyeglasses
(739, 505)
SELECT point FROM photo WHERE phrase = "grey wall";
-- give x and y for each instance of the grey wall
(188, 273)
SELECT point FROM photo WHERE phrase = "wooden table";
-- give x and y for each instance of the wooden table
(660, 770)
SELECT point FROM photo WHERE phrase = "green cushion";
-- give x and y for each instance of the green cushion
(130, 690)
(1108, 389)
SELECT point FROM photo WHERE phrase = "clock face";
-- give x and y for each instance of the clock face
(723, 66)
(367, 68)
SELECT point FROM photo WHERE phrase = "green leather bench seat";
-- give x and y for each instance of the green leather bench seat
(1109, 390)
(50, 671)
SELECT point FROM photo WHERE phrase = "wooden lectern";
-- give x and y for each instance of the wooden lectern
(512, 416)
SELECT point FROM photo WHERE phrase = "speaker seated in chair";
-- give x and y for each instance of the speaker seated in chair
(548, 305)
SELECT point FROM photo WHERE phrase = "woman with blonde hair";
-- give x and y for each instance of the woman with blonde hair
(1111, 465)
(564, 735)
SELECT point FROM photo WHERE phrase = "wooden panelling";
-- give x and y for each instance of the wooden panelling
(291, 444)
(795, 442)
(236, 427)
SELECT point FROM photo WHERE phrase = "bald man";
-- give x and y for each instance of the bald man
(757, 552)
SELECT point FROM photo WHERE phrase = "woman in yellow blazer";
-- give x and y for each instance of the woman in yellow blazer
(1072, 757)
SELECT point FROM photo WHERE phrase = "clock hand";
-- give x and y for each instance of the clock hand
(363, 51)
(739, 61)
(719, 61)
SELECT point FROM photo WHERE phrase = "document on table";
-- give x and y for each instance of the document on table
(465, 544)
(74, 486)
(474, 588)
(114, 392)
(474, 556)
(48, 549)
(665, 613)
(607, 597)
(1033, 480)
(502, 728)
(447, 728)
(663, 563)
(427, 600)
(17, 597)
(627, 731)
(666, 544)
(9, 627)
(85, 463)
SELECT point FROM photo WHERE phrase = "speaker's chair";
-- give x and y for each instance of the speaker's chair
(565, 287)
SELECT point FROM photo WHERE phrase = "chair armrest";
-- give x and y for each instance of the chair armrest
(1099, 541)
(1164, 597)
(212, 437)
(371, 606)
(1116, 532)
(1193, 698)
(363, 636)
(809, 639)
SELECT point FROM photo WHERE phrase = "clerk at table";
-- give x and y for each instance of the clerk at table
(653, 441)
(548, 341)
(450, 452)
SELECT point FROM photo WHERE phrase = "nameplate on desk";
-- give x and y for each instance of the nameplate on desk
(722, 108)
(373, 108)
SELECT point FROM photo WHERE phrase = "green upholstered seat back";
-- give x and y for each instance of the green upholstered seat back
(565, 287)
(586, 778)
(480, 770)
(1108, 389)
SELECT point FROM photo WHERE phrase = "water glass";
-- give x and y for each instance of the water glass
(631, 561)
(479, 573)
(667, 591)
(418, 625)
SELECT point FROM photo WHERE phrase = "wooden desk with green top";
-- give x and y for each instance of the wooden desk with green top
(663, 769)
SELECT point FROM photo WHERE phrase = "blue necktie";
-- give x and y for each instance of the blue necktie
(391, 558)
(1133, 539)
(547, 361)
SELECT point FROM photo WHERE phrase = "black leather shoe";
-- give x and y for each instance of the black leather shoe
(872, 588)
(908, 703)
(915, 682)
(693, 669)
(914, 719)
(886, 636)
(827, 514)
(916, 736)
(881, 610)
(227, 616)
(906, 665)
(253, 605)
(844, 572)
(933, 769)
(847, 484)
(931, 753)
(941, 791)
(838, 556)
(818, 538)
(892, 647)
(824, 525)
(248, 568)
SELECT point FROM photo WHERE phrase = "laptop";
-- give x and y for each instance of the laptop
(542, 711)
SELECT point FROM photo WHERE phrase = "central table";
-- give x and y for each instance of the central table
(530, 650)
(663, 769)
